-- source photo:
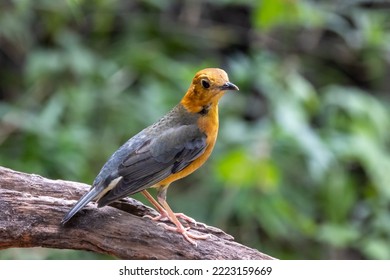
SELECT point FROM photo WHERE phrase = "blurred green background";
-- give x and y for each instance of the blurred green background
(301, 169)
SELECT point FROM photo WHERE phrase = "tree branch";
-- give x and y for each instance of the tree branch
(32, 208)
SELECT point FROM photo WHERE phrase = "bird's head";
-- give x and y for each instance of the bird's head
(207, 87)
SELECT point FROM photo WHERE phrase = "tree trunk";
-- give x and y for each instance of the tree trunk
(32, 208)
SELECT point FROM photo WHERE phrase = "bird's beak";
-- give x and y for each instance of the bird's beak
(229, 86)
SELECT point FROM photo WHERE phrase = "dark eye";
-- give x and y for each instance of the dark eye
(205, 83)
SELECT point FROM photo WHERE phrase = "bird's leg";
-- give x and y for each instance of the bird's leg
(163, 213)
(161, 196)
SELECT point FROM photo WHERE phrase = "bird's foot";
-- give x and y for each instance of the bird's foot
(187, 235)
(185, 218)
(159, 217)
(164, 217)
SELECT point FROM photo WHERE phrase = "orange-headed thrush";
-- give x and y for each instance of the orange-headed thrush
(172, 148)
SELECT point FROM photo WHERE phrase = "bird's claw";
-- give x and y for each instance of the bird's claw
(157, 218)
(186, 218)
(187, 235)
(164, 217)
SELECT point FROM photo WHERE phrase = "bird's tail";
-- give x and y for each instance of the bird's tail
(89, 196)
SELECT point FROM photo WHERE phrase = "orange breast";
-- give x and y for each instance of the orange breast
(209, 125)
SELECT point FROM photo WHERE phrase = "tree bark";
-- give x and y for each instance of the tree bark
(32, 208)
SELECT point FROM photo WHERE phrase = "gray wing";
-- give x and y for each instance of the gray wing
(156, 159)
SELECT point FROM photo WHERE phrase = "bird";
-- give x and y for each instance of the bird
(166, 151)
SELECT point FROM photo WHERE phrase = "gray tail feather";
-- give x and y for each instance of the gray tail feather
(89, 196)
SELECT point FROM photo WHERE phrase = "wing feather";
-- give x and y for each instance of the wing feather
(155, 160)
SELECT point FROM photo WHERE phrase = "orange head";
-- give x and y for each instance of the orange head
(207, 87)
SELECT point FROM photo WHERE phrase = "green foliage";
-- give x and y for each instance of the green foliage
(301, 167)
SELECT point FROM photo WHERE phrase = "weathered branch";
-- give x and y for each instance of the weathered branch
(32, 208)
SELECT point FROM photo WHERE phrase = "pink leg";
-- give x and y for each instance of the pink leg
(167, 213)
(163, 213)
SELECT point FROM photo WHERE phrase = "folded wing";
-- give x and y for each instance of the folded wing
(156, 159)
